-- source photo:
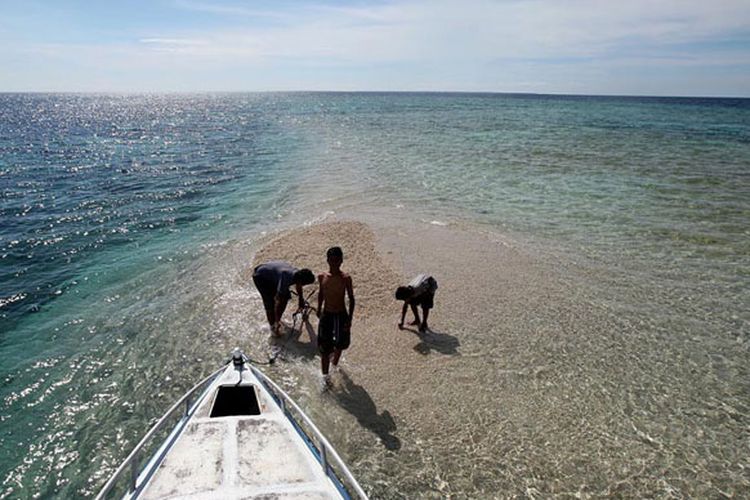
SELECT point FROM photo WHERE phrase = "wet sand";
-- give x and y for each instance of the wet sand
(526, 384)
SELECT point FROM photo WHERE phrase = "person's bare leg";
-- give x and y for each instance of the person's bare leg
(425, 313)
(270, 318)
(416, 315)
(336, 356)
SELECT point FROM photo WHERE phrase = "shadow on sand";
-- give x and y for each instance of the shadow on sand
(355, 399)
(435, 341)
(301, 341)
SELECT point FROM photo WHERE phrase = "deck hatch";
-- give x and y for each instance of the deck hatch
(232, 400)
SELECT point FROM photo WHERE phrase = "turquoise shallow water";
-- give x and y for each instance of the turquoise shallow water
(126, 221)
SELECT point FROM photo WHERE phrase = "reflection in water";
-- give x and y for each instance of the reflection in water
(355, 399)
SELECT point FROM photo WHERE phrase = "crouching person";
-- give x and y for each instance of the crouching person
(419, 292)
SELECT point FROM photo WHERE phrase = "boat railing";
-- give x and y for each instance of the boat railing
(333, 466)
(187, 405)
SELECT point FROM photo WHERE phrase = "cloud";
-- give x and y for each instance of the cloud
(480, 30)
(225, 9)
(172, 41)
(174, 45)
(471, 44)
(420, 31)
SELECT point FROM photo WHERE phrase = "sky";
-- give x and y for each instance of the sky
(618, 47)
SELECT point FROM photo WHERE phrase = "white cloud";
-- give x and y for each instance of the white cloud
(458, 44)
(225, 9)
(480, 30)
(182, 42)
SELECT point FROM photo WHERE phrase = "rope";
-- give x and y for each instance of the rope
(304, 313)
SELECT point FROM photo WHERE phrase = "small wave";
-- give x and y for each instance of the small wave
(319, 219)
(13, 298)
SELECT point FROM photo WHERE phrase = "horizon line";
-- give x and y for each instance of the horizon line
(298, 91)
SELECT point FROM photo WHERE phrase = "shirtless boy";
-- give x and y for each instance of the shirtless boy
(334, 327)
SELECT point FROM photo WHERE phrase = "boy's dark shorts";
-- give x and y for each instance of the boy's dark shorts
(267, 293)
(332, 332)
(426, 300)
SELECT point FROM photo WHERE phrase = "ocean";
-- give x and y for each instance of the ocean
(128, 222)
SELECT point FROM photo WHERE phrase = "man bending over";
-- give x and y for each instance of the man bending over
(273, 280)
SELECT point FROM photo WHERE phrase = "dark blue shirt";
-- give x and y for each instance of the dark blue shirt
(278, 272)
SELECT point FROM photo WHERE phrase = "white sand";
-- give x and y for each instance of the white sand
(527, 386)
(467, 380)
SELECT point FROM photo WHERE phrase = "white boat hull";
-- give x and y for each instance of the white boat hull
(243, 438)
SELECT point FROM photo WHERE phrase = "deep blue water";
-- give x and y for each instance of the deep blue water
(86, 175)
(116, 212)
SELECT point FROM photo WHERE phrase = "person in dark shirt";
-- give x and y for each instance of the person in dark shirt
(273, 280)
(419, 292)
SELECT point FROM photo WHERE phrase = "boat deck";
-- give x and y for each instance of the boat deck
(245, 456)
